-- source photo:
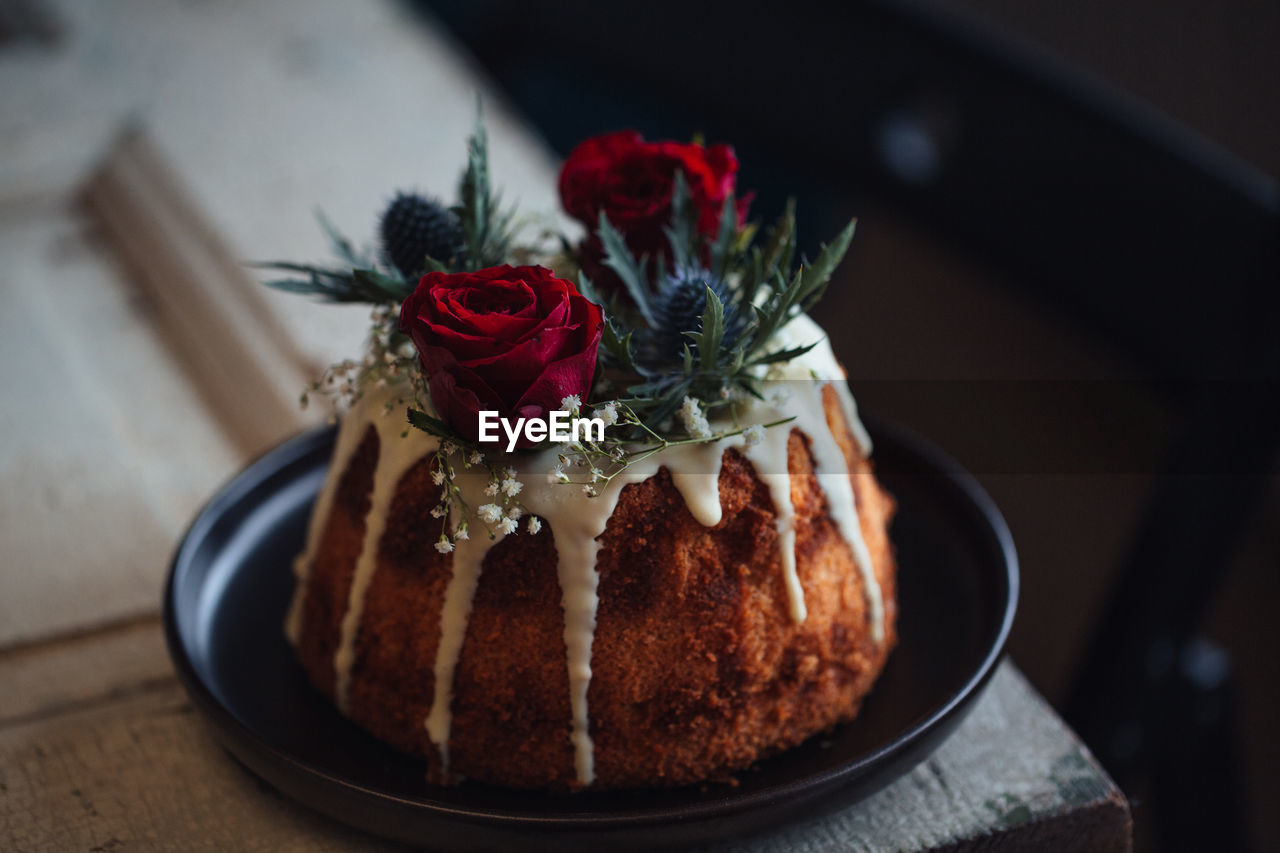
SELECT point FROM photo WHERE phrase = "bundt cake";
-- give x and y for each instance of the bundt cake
(714, 604)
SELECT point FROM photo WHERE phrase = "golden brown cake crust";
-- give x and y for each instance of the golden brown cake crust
(697, 668)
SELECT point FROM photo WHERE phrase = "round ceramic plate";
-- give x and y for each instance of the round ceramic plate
(231, 581)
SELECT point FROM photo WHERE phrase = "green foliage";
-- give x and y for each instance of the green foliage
(682, 232)
(419, 419)
(758, 289)
(339, 285)
(486, 228)
(764, 284)
(633, 273)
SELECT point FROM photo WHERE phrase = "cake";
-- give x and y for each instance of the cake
(640, 614)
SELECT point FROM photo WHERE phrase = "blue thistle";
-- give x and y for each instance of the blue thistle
(678, 307)
(414, 227)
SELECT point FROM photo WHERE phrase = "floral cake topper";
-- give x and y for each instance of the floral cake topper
(655, 325)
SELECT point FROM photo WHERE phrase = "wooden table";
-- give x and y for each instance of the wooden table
(113, 435)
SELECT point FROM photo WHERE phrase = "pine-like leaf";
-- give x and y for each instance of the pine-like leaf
(682, 232)
(336, 285)
(294, 285)
(339, 244)
(784, 354)
(722, 249)
(473, 195)
(619, 258)
(817, 274)
(433, 426)
(588, 289)
(779, 249)
(712, 333)
(486, 229)
(391, 288)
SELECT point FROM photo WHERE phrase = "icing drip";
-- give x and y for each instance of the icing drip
(697, 478)
(468, 561)
(577, 522)
(851, 418)
(833, 471)
(396, 455)
(577, 545)
(577, 525)
(833, 474)
(349, 436)
(770, 461)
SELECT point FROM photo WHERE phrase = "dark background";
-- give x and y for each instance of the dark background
(1065, 274)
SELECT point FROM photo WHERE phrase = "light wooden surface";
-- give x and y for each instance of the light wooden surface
(111, 440)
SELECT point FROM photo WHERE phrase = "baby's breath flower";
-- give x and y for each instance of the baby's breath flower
(507, 525)
(753, 435)
(607, 413)
(534, 524)
(490, 512)
(491, 489)
(695, 422)
(511, 487)
(511, 473)
(515, 511)
(438, 511)
(571, 403)
(437, 476)
(476, 457)
(461, 533)
(589, 491)
(443, 545)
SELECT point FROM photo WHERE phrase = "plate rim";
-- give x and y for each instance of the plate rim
(239, 738)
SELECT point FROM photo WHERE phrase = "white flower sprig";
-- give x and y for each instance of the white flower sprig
(500, 515)
(389, 358)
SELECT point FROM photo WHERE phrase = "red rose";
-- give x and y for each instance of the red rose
(631, 180)
(515, 340)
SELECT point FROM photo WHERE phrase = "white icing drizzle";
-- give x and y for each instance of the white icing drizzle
(455, 613)
(396, 455)
(833, 474)
(770, 461)
(353, 428)
(697, 479)
(577, 522)
(576, 535)
(850, 406)
(832, 469)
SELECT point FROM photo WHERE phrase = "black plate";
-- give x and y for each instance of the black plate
(230, 584)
